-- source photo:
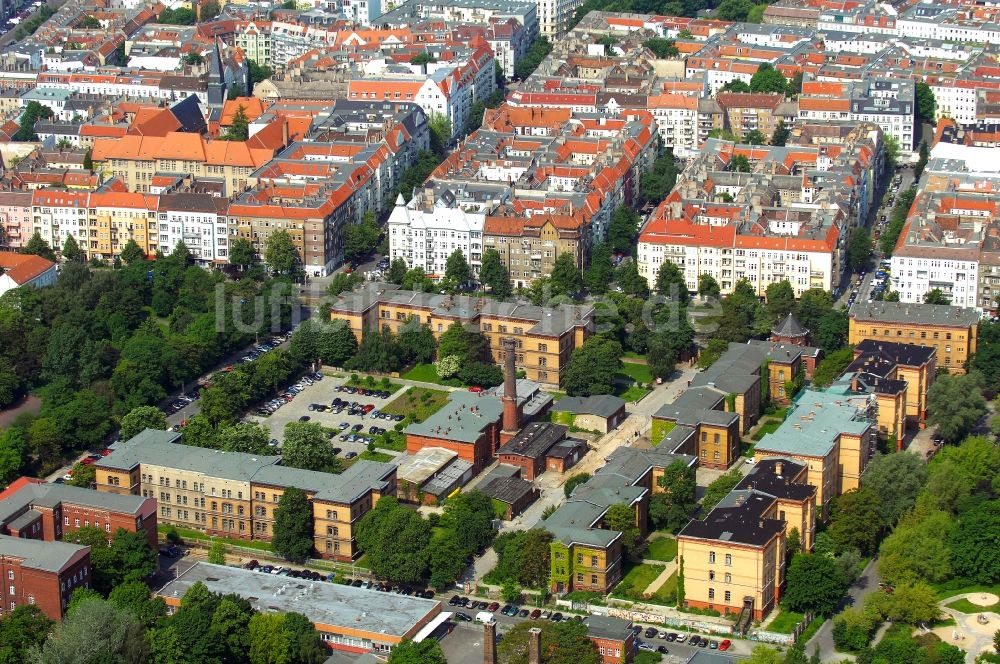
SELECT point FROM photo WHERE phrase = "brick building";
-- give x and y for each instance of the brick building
(469, 424)
(34, 509)
(613, 638)
(41, 573)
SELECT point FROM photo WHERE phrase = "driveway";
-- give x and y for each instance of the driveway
(866, 584)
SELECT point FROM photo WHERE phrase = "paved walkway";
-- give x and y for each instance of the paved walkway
(823, 639)
(973, 637)
(670, 568)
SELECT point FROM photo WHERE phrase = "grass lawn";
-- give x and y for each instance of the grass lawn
(412, 402)
(362, 562)
(391, 440)
(954, 587)
(375, 456)
(813, 627)
(637, 372)
(667, 593)
(785, 621)
(630, 355)
(965, 606)
(425, 373)
(186, 534)
(637, 580)
(769, 426)
(633, 393)
(662, 548)
(373, 383)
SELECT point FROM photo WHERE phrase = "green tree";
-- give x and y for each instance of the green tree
(94, 631)
(134, 596)
(457, 272)
(936, 296)
(926, 103)
(242, 253)
(131, 253)
(740, 164)
(855, 521)
(566, 278)
(735, 85)
(755, 137)
(83, 476)
(859, 248)
(780, 299)
(395, 540)
(470, 516)
(623, 229)
(416, 279)
(416, 342)
(465, 344)
(71, 251)
(813, 305)
(923, 154)
(140, 418)
(621, 517)
(398, 268)
(494, 274)
(293, 526)
(217, 553)
(662, 354)
(599, 274)
(897, 480)
(975, 553)
(441, 132)
(22, 630)
(337, 344)
(708, 287)
(426, 652)
(562, 643)
(510, 591)
(719, 488)
(956, 405)
(671, 508)
(239, 130)
(733, 10)
(446, 559)
(280, 253)
(662, 48)
(592, 367)
(360, 239)
(269, 642)
(670, 282)
(305, 446)
(39, 247)
(768, 79)
(32, 113)
(918, 548)
(781, 134)
(814, 583)
(574, 481)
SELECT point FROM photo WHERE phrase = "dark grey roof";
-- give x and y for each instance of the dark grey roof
(508, 489)
(462, 419)
(765, 478)
(790, 327)
(602, 405)
(608, 627)
(534, 440)
(742, 522)
(38, 554)
(912, 313)
(23, 520)
(892, 353)
(50, 495)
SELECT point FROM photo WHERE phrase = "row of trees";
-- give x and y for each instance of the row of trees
(403, 547)
(767, 79)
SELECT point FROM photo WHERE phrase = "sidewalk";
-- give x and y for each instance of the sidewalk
(670, 568)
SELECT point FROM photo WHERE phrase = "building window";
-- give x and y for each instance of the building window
(711, 593)
(711, 557)
(729, 559)
(729, 577)
(711, 575)
(727, 597)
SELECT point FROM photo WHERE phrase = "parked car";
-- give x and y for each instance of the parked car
(724, 645)
(662, 650)
(252, 564)
(650, 633)
(556, 617)
(464, 617)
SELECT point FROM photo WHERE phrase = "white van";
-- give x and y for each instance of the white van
(484, 617)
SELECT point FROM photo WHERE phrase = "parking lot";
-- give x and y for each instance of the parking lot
(352, 417)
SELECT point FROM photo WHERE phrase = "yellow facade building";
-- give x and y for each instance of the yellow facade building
(234, 495)
(545, 336)
(951, 331)
(734, 559)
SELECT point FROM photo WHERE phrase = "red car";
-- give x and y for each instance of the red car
(493, 607)
(368, 408)
(725, 644)
(534, 614)
(475, 388)
(87, 461)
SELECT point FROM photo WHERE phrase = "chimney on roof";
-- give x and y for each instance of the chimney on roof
(490, 642)
(778, 467)
(534, 646)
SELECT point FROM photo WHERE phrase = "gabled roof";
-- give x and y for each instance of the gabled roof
(22, 268)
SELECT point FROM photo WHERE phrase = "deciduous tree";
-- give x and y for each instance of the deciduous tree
(814, 583)
(305, 446)
(143, 417)
(293, 526)
(592, 367)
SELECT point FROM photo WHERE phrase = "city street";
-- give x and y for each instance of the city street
(866, 584)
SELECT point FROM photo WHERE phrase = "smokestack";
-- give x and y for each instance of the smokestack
(511, 412)
(490, 642)
(534, 646)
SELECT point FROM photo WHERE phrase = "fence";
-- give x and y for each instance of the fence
(647, 617)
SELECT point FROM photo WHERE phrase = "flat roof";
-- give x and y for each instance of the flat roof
(534, 440)
(604, 405)
(462, 419)
(333, 605)
(508, 489)
(915, 313)
(608, 627)
(418, 468)
(814, 423)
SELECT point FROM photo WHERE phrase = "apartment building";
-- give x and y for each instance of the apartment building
(768, 225)
(41, 573)
(889, 103)
(833, 435)
(584, 554)
(696, 423)
(532, 183)
(746, 112)
(734, 559)
(16, 226)
(545, 336)
(35, 509)
(234, 495)
(950, 330)
(468, 13)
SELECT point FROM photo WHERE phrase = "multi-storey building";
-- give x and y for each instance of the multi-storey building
(41, 573)
(833, 435)
(231, 494)
(889, 103)
(734, 559)
(467, 12)
(585, 555)
(545, 336)
(16, 226)
(788, 219)
(950, 330)
(34, 509)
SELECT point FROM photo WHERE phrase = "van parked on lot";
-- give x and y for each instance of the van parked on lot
(484, 617)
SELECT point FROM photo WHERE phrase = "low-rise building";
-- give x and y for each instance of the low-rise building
(734, 558)
(833, 435)
(469, 424)
(599, 412)
(952, 331)
(35, 509)
(613, 638)
(18, 270)
(696, 424)
(234, 495)
(538, 447)
(507, 489)
(41, 573)
(353, 620)
(545, 336)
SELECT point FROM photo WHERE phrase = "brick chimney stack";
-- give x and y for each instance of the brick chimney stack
(511, 409)
(490, 642)
(534, 646)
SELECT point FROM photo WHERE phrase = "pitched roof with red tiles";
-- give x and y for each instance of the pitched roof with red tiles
(22, 268)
